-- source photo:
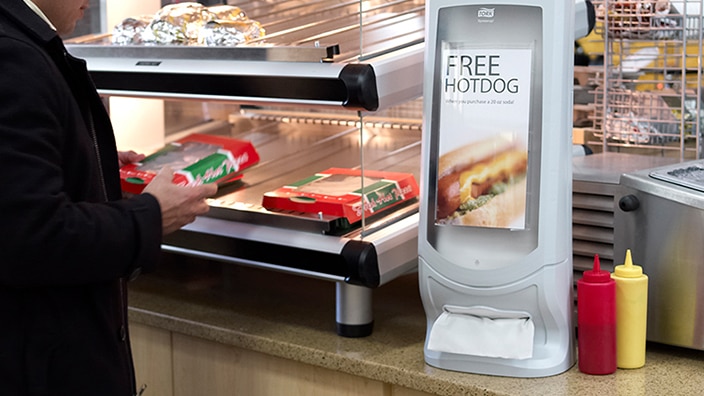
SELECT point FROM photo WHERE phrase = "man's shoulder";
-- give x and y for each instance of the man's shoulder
(15, 45)
(20, 22)
(9, 26)
(19, 42)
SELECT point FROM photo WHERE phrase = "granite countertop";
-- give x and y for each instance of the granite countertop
(294, 318)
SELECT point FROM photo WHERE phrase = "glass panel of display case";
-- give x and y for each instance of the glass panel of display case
(328, 95)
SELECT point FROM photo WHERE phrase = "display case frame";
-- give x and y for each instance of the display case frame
(350, 87)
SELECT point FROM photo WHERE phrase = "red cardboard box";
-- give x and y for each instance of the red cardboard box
(195, 159)
(338, 192)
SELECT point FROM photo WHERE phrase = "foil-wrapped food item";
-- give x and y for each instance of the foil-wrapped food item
(177, 24)
(227, 12)
(229, 33)
(130, 30)
(190, 23)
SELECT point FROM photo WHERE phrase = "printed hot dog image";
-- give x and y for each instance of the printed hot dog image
(483, 184)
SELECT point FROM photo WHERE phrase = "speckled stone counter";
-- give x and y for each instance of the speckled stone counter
(293, 317)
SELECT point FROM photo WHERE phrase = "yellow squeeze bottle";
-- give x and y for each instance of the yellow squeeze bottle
(631, 313)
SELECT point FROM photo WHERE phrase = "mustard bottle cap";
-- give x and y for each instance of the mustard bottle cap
(628, 270)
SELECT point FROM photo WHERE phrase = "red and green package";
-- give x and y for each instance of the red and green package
(196, 159)
(338, 192)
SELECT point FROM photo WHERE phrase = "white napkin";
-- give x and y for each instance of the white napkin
(483, 331)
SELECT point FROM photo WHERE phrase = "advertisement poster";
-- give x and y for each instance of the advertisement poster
(484, 122)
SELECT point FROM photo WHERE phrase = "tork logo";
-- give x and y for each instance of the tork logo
(485, 13)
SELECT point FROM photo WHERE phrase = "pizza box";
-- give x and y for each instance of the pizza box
(196, 159)
(338, 192)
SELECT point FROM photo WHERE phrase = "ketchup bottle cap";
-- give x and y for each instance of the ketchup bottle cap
(596, 274)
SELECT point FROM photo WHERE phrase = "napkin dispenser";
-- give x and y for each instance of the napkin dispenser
(495, 239)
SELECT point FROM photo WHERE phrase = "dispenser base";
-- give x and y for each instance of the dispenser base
(545, 296)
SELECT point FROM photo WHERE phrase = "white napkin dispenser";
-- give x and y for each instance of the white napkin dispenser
(495, 236)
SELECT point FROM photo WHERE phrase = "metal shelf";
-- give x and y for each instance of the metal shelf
(323, 53)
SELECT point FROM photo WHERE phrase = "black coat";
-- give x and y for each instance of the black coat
(67, 238)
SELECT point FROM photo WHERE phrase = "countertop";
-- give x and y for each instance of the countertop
(293, 317)
(608, 167)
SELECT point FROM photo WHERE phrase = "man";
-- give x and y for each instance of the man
(68, 241)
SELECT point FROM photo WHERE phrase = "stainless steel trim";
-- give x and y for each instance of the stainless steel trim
(399, 75)
(214, 67)
(641, 181)
(396, 247)
(304, 53)
(250, 263)
(265, 234)
(232, 99)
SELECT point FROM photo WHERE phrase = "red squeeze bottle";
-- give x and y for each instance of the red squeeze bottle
(596, 321)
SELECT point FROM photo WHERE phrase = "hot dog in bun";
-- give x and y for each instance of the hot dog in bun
(482, 184)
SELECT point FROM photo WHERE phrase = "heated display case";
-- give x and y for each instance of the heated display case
(332, 84)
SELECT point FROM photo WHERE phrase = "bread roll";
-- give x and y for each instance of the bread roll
(502, 210)
(482, 183)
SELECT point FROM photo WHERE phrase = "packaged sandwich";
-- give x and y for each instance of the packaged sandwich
(343, 192)
(196, 159)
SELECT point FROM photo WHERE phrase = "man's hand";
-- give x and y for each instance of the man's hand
(179, 204)
(128, 157)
